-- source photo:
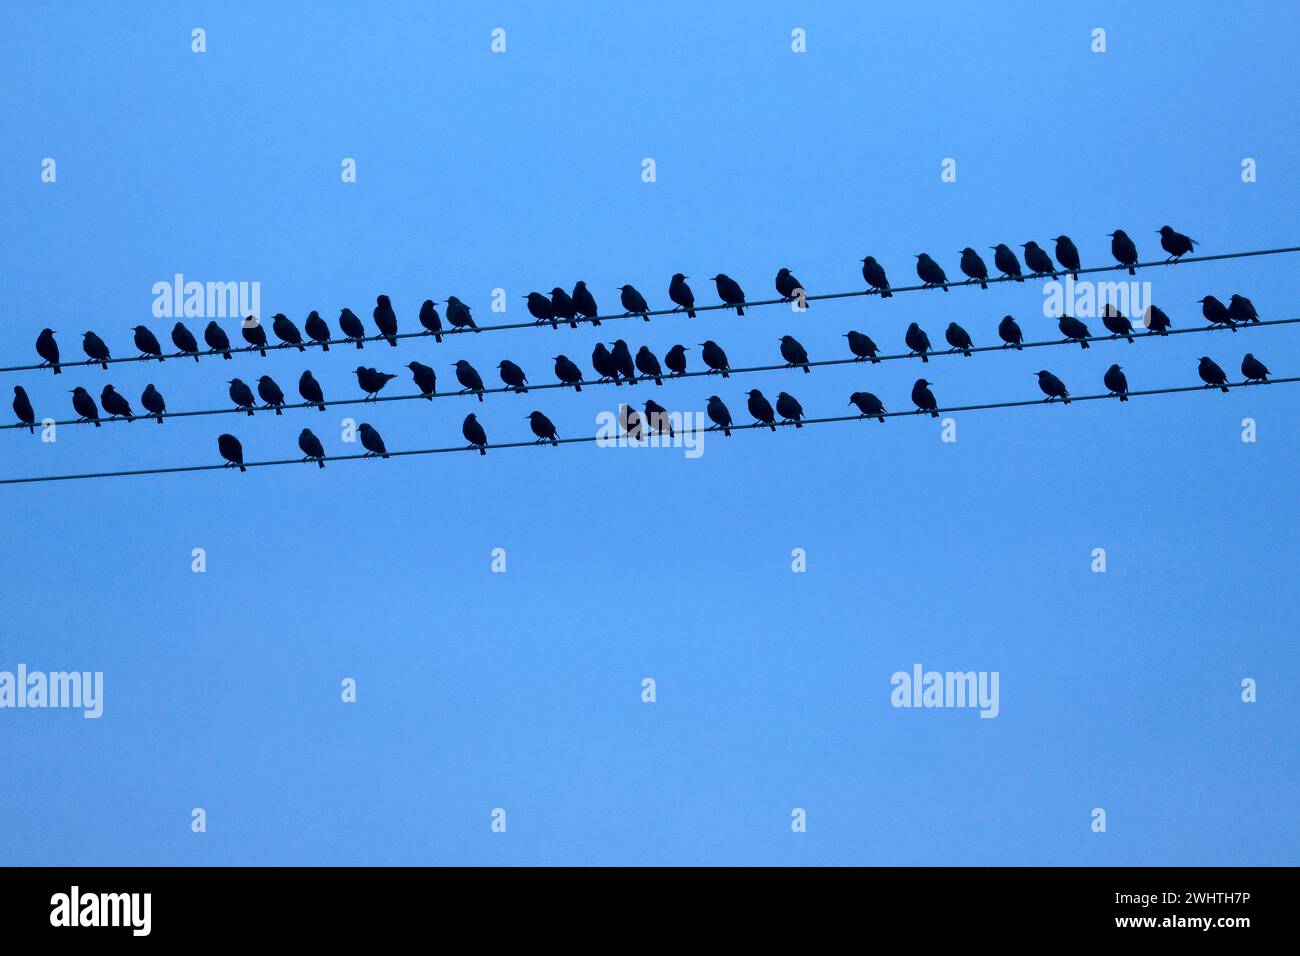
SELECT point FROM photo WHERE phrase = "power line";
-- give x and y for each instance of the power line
(613, 317)
(668, 376)
(588, 439)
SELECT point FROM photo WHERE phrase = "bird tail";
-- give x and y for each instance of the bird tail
(924, 357)
(1132, 271)
(724, 374)
(302, 348)
(250, 411)
(934, 414)
(577, 386)
(196, 357)
(1224, 388)
(436, 338)
(383, 454)
(1020, 279)
(1083, 342)
(1130, 339)
(57, 370)
(482, 450)
(1065, 399)
(1123, 397)
(480, 396)
(226, 356)
(945, 287)
(886, 294)
(104, 366)
(983, 284)
(392, 340)
(555, 440)
(320, 462)
(658, 380)
(595, 323)
(242, 468)
(360, 344)
(690, 313)
(740, 310)
(324, 346)
(771, 426)
(881, 418)
(966, 352)
(321, 406)
(1019, 347)
(160, 419)
(476, 329)
(726, 432)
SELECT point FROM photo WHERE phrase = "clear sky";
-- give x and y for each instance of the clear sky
(522, 690)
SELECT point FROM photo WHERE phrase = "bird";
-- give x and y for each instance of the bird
(730, 292)
(1122, 248)
(371, 441)
(1037, 258)
(874, 273)
(1067, 255)
(681, 295)
(1052, 387)
(1116, 322)
(474, 434)
(675, 359)
(1254, 369)
(794, 354)
(513, 376)
(633, 301)
(231, 450)
(868, 404)
(543, 428)
(1007, 262)
(621, 356)
(1216, 312)
(1174, 243)
(719, 414)
(658, 419)
(311, 447)
(430, 320)
(469, 378)
(94, 347)
(790, 288)
(372, 380)
(48, 349)
(568, 373)
(585, 302)
(1074, 330)
(23, 408)
(1242, 310)
(1009, 332)
(714, 357)
(286, 331)
(1117, 382)
(426, 379)
(861, 346)
(217, 340)
(563, 307)
(1211, 374)
(385, 319)
(539, 307)
(147, 343)
(931, 272)
(458, 314)
(923, 398)
(631, 421)
(153, 403)
(648, 365)
(241, 395)
(604, 365)
(917, 341)
(958, 338)
(973, 266)
(184, 340)
(788, 407)
(271, 393)
(115, 404)
(85, 406)
(254, 334)
(310, 390)
(352, 328)
(318, 331)
(761, 409)
(1156, 321)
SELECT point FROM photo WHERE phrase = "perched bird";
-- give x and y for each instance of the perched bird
(1174, 243)
(1067, 255)
(254, 334)
(719, 414)
(563, 307)
(874, 273)
(794, 353)
(48, 350)
(1009, 332)
(1122, 248)
(23, 408)
(1053, 387)
(310, 390)
(231, 450)
(539, 307)
(923, 398)
(973, 266)
(371, 441)
(1007, 262)
(1074, 330)
(217, 340)
(543, 428)
(675, 359)
(372, 380)
(1254, 369)
(85, 406)
(917, 341)
(790, 288)
(633, 301)
(1037, 258)
(648, 365)
(861, 346)
(761, 409)
(714, 357)
(474, 434)
(270, 393)
(1117, 382)
(631, 422)
(568, 373)
(311, 447)
(94, 347)
(469, 379)
(682, 295)
(730, 292)
(1116, 322)
(1242, 310)
(184, 340)
(153, 403)
(430, 320)
(426, 379)
(622, 358)
(286, 331)
(585, 303)
(1156, 320)
(147, 343)
(513, 376)
(386, 319)
(604, 365)
(1211, 374)
(788, 407)
(958, 338)
(931, 272)
(241, 395)
(115, 404)
(352, 328)
(458, 314)
(1216, 312)
(868, 405)
(318, 331)
(657, 418)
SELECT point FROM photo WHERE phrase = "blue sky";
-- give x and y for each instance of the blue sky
(522, 690)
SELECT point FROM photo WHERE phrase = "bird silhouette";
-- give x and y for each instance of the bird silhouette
(958, 338)
(917, 341)
(1067, 255)
(868, 405)
(658, 419)
(310, 390)
(430, 320)
(795, 355)
(1009, 332)
(513, 376)
(1074, 330)
(153, 402)
(585, 303)
(568, 373)
(458, 314)
(543, 428)
(730, 292)
(286, 331)
(682, 295)
(563, 307)
(633, 301)
(426, 379)
(1156, 321)
(241, 395)
(719, 414)
(648, 365)
(1123, 249)
(790, 288)
(1242, 310)
(621, 355)
(861, 346)
(604, 365)
(788, 407)
(319, 332)
(23, 408)
(217, 340)
(184, 340)
(931, 272)
(1007, 262)
(147, 343)
(254, 334)
(1053, 387)
(1117, 382)
(874, 273)
(48, 349)
(1037, 258)
(761, 409)
(231, 450)
(1216, 312)
(714, 357)
(271, 393)
(1174, 243)
(630, 420)
(371, 441)
(474, 434)
(94, 347)
(115, 404)
(923, 398)
(469, 379)
(973, 266)
(675, 359)
(84, 405)
(1254, 369)
(386, 319)
(352, 328)
(1211, 374)
(311, 447)
(1116, 322)
(372, 380)
(539, 307)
